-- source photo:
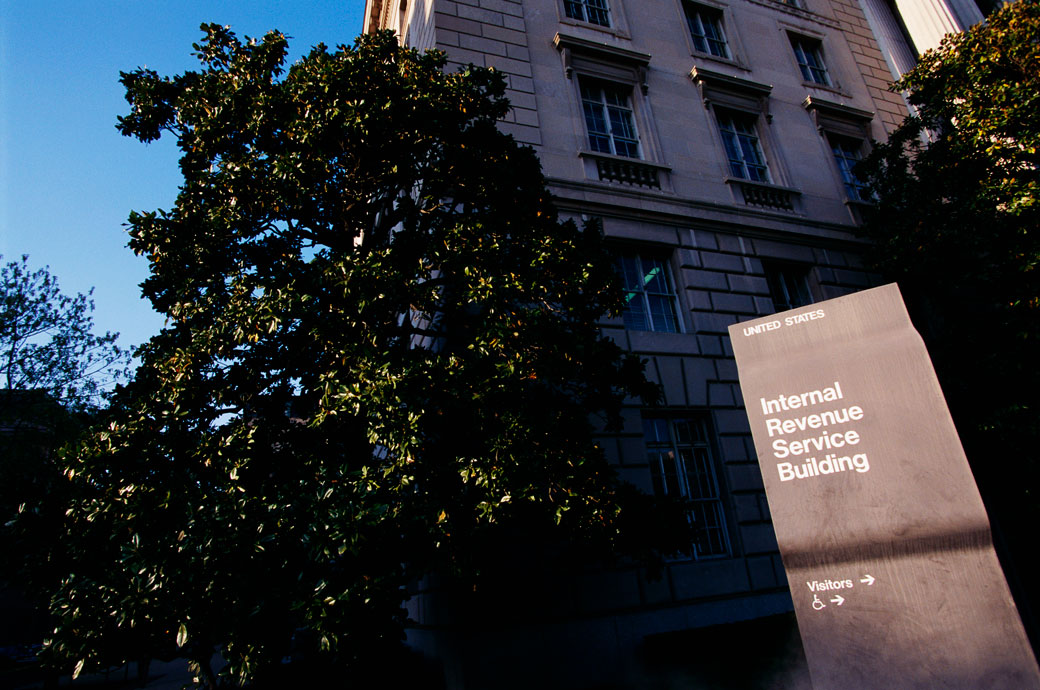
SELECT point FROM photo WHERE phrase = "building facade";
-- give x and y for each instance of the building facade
(715, 141)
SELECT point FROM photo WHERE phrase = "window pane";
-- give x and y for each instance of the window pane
(662, 314)
(593, 11)
(682, 432)
(788, 286)
(597, 11)
(709, 538)
(574, 10)
(649, 294)
(846, 155)
(740, 140)
(594, 118)
(629, 149)
(757, 173)
(749, 150)
(621, 122)
(656, 474)
(599, 143)
(705, 26)
(631, 276)
(809, 55)
(635, 317)
(671, 475)
(655, 430)
(700, 43)
(609, 119)
(702, 481)
(729, 141)
(693, 476)
(653, 276)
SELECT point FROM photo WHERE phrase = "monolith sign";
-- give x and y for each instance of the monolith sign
(885, 540)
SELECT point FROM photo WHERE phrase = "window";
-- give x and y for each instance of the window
(608, 118)
(809, 54)
(681, 464)
(740, 138)
(788, 285)
(739, 106)
(845, 131)
(591, 11)
(847, 155)
(649, 294)
(705, 25)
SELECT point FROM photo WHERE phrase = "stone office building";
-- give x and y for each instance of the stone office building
(715, 140)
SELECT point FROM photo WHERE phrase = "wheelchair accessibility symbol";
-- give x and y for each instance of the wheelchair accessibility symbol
(816, 603)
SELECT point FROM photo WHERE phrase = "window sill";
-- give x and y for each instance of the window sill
(765, 194)
(603, 51)
(729, 62)
(796, 10)
(664, 342)
(718, 80)
(829, 88)
(611, 30)
(629, 171)
(858, 209)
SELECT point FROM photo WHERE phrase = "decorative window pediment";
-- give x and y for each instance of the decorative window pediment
(836, 118)
(602, 60)
(733, 93)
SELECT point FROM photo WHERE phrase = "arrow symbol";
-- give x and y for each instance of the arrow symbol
(868, 579)
(838, 599)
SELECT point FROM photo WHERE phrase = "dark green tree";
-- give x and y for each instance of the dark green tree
(381, 351)
(958, 208)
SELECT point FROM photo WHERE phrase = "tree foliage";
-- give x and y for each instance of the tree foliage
(381, 348)
(958, 207)
(47, 342)
(958, 191)
(54, 372)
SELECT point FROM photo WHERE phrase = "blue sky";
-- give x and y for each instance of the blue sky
(68, 179)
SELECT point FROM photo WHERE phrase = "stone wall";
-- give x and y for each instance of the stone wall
(492, 33)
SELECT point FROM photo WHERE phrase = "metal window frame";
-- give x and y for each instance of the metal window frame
(703, 443)
(743, 128)
(781, 278)
(591, 11)
(624, 106)
(847, 153)
(643, 295)
(808, 52)
(704, 17)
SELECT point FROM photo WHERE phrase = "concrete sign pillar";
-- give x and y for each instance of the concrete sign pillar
(884, 537)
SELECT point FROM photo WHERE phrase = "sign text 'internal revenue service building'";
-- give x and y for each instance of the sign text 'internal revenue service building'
(885, 540)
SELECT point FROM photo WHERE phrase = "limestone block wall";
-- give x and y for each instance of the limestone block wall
(720, 278)
(492, 33)
(891, 108)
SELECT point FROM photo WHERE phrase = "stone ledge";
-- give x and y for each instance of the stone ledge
(765, 195)
(627, 170)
